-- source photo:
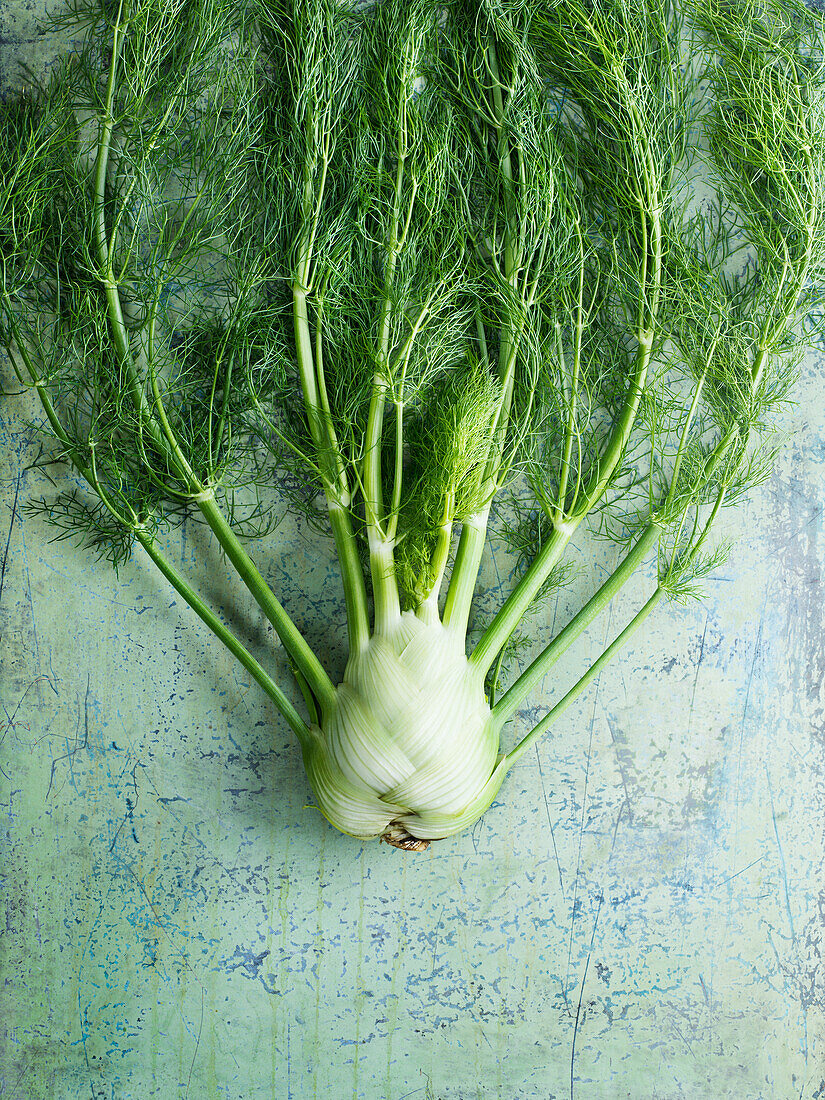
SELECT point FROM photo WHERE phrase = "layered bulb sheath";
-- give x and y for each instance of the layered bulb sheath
(411, 742)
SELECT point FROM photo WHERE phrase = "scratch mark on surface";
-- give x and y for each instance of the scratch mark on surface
(130, 806)
(435, 938)
(23, 1073)
(159, 922)
(550, 821)
(581, 830)
(781, 856)
(741, 870)
(5, 561)
(82, 1012)
(756, 654)
(787, 894)
(797, 531)
(84, 744)
(11, 717)
(696, 674)
(621, 767)
(581, 995)
(195, 1051)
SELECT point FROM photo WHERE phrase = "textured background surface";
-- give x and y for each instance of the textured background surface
(640, 916)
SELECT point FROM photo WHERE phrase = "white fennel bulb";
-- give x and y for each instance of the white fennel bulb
(411, 744)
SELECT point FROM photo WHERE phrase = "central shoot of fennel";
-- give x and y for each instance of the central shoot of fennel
(398, 259)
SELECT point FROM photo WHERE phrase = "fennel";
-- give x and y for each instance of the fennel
(423, 270)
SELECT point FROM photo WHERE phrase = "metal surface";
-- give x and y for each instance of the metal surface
(639, 915)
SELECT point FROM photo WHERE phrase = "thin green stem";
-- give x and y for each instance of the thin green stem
(120, 335)
(180, 461)
(375, 420)
(440, 556)
(465, 572)
(306, 369)
(36, 382)
(513, 609)
(570, 427)
(215, 445)
(294, 642)
(323, 394)
(620, 433)
(400, 365)
(697, 543)
(380, 537)
(185, 590)
(352, 577)
(307, 249)
(474, 531)
(518, 692)
(252, 666)
(384, 585)
(103, 146)
(683, 441)
(328, 455)
(710, 465)
(510, 271)
(609, 653)
(398, 470)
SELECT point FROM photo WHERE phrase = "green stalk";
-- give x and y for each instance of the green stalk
(235, 647)
(615, 646)
(384, 584)
(474, 531)
(398, 469)
(382, 560)
(610, 652)
(373, 493)
(341, 479)
(677, 463)
(438, 562)
(513, 609)
(36, 381)
(516, 694)
(305, 660)
(401, 364)
(294, 642)
(317, 411)
(252, 666)
(308, 669)
(352, 576)
(120, 335)
(465, 572)
(505, 163)
(570, 427)
(103, 145)
(606, 466)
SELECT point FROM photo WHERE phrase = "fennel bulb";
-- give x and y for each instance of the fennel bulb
(413, 735)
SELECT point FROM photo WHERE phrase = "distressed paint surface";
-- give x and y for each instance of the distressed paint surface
(640, 915)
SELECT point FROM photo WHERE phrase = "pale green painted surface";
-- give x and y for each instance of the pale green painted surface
(646, 900)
